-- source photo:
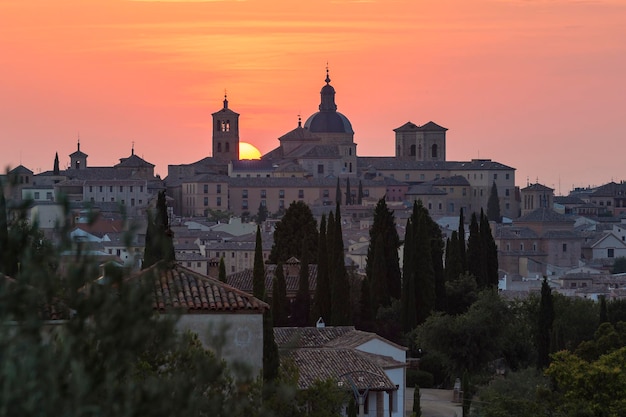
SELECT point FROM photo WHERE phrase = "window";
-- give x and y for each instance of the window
(439, 206)
(91, 189)
(521, 246)
(464, 192)
(131, 188)
(244, 204)
(121, 188)
(227, 147)
(564, 247)
(132, 202)
(219, 201)
(232, 268)
(506, 192)
(450, 207)
(110, 188)
(406, 176)
(495, 177)
(219, 146)
(281, 193)
(198, 264)
(232, 254)
(320, 168)
(366, 193)
(300, 193)
(325, 193)
(434, 151)
(206, 188)
(263, 194)
(412, 150)
(281, 204)
(244, 193)
(218, 189)
(610, 253)
(141, 188)
(422, 177)
(507, 176)
(507, 206)
(100, 188)
(206, 201)
(49, 196)
(36, 195)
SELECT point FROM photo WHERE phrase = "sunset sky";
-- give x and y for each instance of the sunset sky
(539, 85)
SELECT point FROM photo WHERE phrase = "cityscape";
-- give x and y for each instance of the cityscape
(199, 218)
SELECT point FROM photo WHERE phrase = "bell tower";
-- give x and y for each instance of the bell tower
(226, 134)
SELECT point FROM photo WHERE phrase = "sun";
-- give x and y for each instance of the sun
(248, 151)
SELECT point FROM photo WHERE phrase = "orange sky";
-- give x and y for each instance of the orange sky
(538, 85)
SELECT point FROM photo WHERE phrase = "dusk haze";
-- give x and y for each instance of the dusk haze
(536, 85)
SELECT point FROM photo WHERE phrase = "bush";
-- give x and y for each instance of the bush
(416, 377)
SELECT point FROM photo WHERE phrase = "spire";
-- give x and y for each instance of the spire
(225, 99)
(299, 121)
(56, 164)
(328, 95)
(78, 142)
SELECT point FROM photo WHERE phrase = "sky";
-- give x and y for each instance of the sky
(538, 85)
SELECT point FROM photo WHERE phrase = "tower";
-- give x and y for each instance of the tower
(78, 159)
(226, 134)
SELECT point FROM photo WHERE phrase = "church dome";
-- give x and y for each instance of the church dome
(328, 119)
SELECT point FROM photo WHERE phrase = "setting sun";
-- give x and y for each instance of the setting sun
(248, 151)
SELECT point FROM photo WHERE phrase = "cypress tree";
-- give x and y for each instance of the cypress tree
(55, 169)
(437, 252)
(454, 267)
(297, 224)
(258, 271)
(280, 304)
(340, 308)
(4, 234)
(302, 305)
(417, 406)
(360, 194)
(493, 205)
(462, 243)
(474, 252)
(222, 270)
(409, 307)
(489, 252)
(385, 225)
(338, 193)
(544, 325)
(379, 289)
(322, 290)
(348, 192)
(271, 360)
(159, 238)
(425, 274)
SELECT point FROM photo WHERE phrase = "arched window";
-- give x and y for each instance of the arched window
(412, 150)
(434, 151)
(218, 125)
(227, 126)
(227, 147)
(219, 146)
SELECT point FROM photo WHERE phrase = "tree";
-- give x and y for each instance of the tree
(544, 324)
(222, 270)
(417, 407)
(493, 205)
(280, 303)
(360, 194)
(296, 226)
(340, 286)
(489, 253)
(258, 271)
(454, 263)
(388, 276)
(322, 299)
(159, 237)
(604, 316)
(302, 305)
(4, 235)
(409, 292)
(462, 244)
(474, 252)
(348, 193)
(261, 214)
(338, 193)
(619, 265)
(467, 396)
(271, 359)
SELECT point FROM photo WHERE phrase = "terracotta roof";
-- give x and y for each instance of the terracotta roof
(243, 279)
(299, 133)
(180, 288)
(544, 215)
(537, 187)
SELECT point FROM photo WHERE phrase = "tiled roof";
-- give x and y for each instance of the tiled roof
(315, 151)
(243, 279)
(430, 126)
(537, 187)
(252, 165)
(391, 163)
(323, 364)
(180, 288)
(297, 134)
(568, 200)
(425, 189)
(544, 215)
(133, 161)
(509, 232)
(21, 169)
(330, 353)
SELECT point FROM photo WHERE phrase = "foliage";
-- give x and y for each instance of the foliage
(462, 243)
(467, 396)
(596, 388)
(159, 237)
(340, 285)
(222, 270)
(544, 324)
(417, 407)
(297, 226)
(322, 298)
(302, 305)
(489, 253)
(493, 205)
(261, 214)
(461, 293)
(418, 378)
(271, 360)
(519, 394)
(383, 266)
(575, 320)
(619, 265)
(280, 303)
(258, 269)
(219, 216)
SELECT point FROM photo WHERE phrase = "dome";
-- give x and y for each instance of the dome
(327, 121)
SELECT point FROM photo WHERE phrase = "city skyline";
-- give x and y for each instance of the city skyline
(535, 85)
